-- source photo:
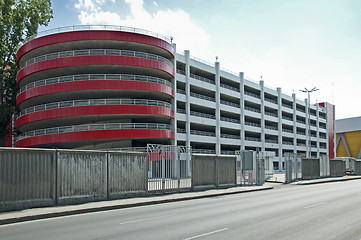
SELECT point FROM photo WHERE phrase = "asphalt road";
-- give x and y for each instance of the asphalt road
(322, 211)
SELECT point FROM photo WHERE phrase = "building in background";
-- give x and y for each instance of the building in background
(114, 87)
(348, 137)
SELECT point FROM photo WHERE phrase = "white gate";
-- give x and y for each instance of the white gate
(169, 168)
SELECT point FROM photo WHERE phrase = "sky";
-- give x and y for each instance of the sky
(292, 44)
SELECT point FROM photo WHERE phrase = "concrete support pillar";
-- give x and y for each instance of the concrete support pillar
(263, 135)
(174, 100)
(187, 106)
(318, 129)
(218, 107)
(308, 143)
(294, 124)
(280, 144)
(242, 119)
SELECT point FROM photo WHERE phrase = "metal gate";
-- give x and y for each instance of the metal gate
(169, 168)
(250, 168)
(293, 167)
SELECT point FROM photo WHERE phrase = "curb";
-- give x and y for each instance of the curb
(328, 181)
(120, 206)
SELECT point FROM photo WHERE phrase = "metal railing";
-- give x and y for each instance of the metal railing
(96, 27)
(204, 97)
(232, 120)
(287, 130)
(271, 127)
(300, 121)
(181, 130)
(228, 152)
(252, 124)
(229, 87)
(202, 61)
(230, 104)
(202, 133)
(181, 91)
(287, 106)
(252, 109)
(287, 143)
(301, 133)
(270, 100)
(85, 77)
(205, 115)
(203, 79)
(92, 102)
(231, 136)
(229, 71)
(180, 110)
(270, 114)
(252, 94)
(88, 52)
(301, 110)
(287, 118)
(181, 72)
(203, 151)
(90, 127)
(253, 139)
(271, 141)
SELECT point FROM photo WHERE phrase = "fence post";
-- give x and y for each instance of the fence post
(58, 183)
(163, 169)
(107, 175)
(55, 177)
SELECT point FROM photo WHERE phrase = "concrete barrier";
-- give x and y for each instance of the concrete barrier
(211, 171)
(310, 168)
(337, 168)
(27, 178)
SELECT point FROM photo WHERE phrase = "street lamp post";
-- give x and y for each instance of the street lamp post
(309, 117)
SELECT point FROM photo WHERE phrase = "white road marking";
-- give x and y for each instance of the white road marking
(206, 234)
(315, 205)
(145, 219)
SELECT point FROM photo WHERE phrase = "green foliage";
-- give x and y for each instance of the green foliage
(19, 19)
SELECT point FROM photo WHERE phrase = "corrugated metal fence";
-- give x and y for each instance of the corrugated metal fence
(40, 177)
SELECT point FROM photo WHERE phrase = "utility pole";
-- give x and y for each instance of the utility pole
(309, 117)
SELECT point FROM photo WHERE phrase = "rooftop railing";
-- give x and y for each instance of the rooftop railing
(96, 27)
(85, 77)
(92, 127)
(88, 52)
(93, 102)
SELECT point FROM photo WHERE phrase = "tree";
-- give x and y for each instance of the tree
(19, 19)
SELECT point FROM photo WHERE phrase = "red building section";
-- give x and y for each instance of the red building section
(95, 89)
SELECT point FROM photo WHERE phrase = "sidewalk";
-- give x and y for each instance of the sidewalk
(58, 211)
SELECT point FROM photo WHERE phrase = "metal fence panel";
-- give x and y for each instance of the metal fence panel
(310, 168)
(226, 171)
(127, 174)
(324, 166)
(358, 167)
(337, 168)
(293, 167)
(27, 178)
(204, 171)
(81, 176)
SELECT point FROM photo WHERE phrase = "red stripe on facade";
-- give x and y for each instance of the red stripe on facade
(94, 85)
(94, 61)
(94, 110)
(96, 135)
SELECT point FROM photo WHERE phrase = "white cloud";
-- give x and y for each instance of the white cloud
(177, 24)
(155, 3)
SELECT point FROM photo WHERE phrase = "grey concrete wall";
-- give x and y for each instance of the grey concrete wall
(226, 170)
(212, 171)
(337, 168)
(82, 176)
(310, 168)
(127, 174)
(203, 171)
(27, 178)
(358, 167)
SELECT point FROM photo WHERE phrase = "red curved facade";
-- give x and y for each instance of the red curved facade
(95, 89)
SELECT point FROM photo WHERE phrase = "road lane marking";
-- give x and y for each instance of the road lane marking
(315, 205)
(206, 234)
(145, 219)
